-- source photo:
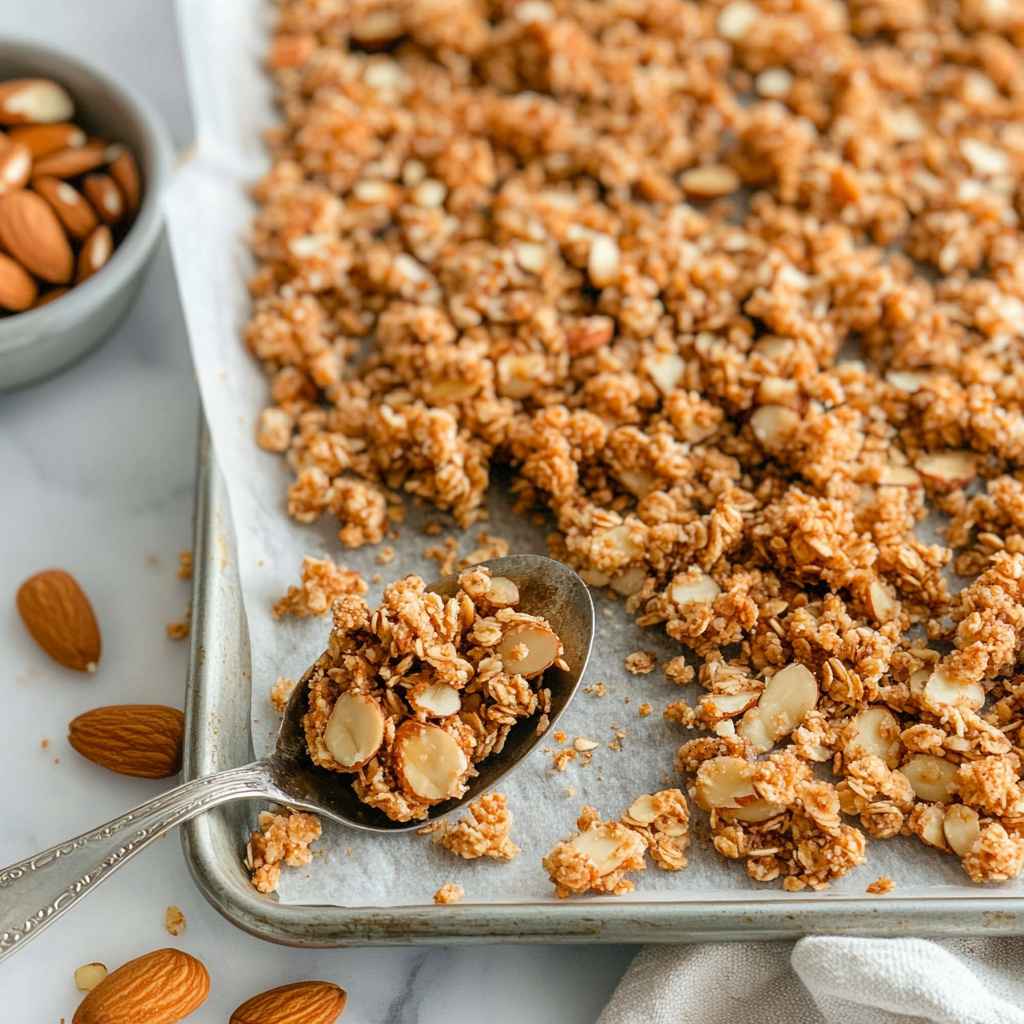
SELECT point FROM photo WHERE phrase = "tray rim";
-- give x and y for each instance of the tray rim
(218, 716)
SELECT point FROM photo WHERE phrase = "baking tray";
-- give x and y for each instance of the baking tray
(218, 736)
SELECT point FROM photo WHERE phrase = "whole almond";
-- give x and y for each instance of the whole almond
(304, 1002)
(125, 171)
(72, 208)
(105, 196)
(70, 162)
(143, 740)
(95, 252)
(162, 987)
(34, 101)
(47, 297)
(60, 618)
(31, 233)
(15, 165)
(44, 139)
(17, 289)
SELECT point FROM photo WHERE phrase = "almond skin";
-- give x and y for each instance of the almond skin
(132, 739)
(31, 233)
(44, 139)
(60, 618)
(75, 213)
(305, 1002)
(70, 162)
(162, 987)
(125, 171)
(34, 100)
(95, 252)
(17, 289)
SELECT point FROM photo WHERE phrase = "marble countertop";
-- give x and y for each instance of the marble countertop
(97, 466)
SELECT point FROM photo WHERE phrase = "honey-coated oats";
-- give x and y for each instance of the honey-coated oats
(735, 289)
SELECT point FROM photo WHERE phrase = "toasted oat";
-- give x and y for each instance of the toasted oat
(180, 628)
(385, 556)
(450, 892)
(880, 886)
(641, 662)
(323, 583)
(281, 692)
(485, 833)
(644, 710)
(174, 920)
(280, 839)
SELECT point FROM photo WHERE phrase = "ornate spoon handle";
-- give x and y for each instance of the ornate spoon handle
(38, 890)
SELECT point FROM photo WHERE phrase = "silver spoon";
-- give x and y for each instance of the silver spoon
(36, 891)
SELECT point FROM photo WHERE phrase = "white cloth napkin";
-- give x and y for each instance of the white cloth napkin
(824, 981)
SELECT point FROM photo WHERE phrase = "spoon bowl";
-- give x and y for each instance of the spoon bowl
(37, 890)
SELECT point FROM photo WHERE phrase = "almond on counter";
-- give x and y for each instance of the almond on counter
(60, 618)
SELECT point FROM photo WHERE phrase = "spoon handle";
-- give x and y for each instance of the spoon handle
(36, 891)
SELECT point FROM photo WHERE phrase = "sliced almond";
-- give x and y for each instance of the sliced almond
(906, 380)
(785, 702)
(584, 745)
(355, 729)
(620, 540)
(948, 469)
(774, 425)
(710, 182)
(961, 828)
(724, 782)
(690, 589)
(17, 289)
(439, 700)
(15, 165)
(881, 602)
(69, 163)
(666, 369)
(428, 762)
(876, 733)
(931, 778)
(503, 593)
(543, 649)
(899, 476)
(125, 171)
(629, 581)
(74, 212)
(727, 705)
(756, 811)
(95, 252)
(643, 810)
(105, 196)
(34, 101)
(603, 262)
(88, 976)
(44, 139)
(519, 375)
(603, 847)
(943, 691)
(931, 826)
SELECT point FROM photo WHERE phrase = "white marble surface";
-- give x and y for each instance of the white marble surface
(96, 468)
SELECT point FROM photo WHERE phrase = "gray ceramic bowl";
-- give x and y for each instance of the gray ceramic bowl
(41, 341)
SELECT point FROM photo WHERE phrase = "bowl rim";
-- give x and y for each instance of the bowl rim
(138, 241)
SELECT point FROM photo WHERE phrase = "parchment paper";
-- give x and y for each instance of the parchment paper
(208, 216)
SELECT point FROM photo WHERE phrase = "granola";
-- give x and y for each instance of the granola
(484, 833)
(450, 892)
(322, 584)
(734, 290)
(410, 697)
(280, 839)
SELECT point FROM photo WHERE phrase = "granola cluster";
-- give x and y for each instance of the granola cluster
(280, 839)
(735, 288)
(602, 854)
(408, 698)
(485, 832)
(322, 583)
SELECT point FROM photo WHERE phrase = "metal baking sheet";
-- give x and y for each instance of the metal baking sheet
(219, 736)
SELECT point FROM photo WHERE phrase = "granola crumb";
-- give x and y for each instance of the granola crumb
(596, 690)
(281, 692)
(450, 892)
(280, 839)
(180, 629)
(559, 736)
(174, 920)
(641, 662)
(484, 832)
(322, 584)
(562, 758)
(44, 744)
(644, 710)
(185, 565)
(385, 556)
(880, 886)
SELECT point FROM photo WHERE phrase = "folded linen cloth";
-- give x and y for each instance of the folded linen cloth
(823, 980)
